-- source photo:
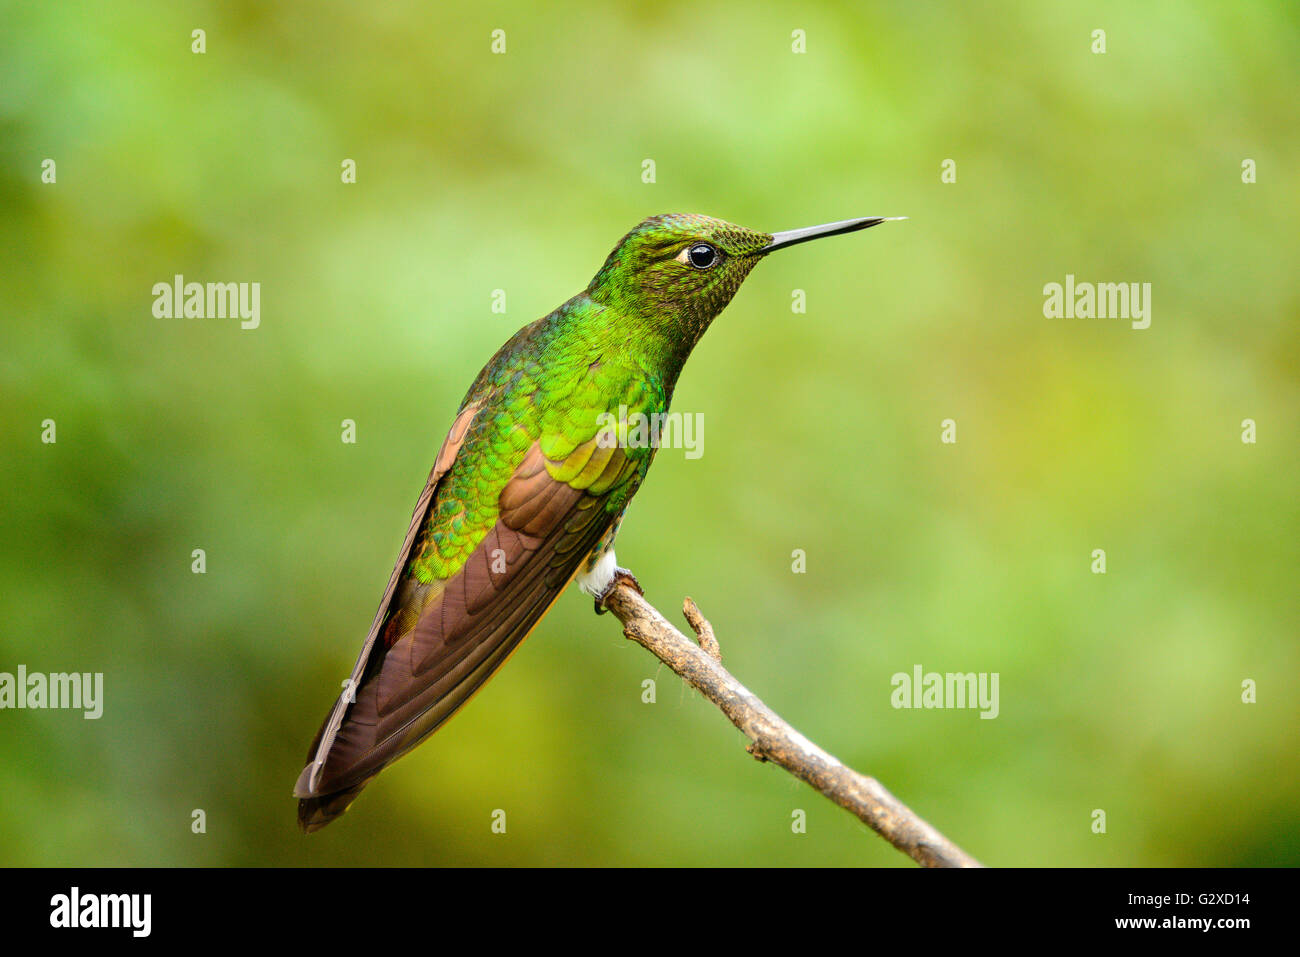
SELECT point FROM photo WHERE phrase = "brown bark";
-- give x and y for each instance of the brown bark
(772, 738)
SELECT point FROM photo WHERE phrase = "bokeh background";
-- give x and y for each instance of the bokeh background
(519, 172)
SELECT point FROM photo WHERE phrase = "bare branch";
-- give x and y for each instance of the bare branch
(773, 739)
(703, 630)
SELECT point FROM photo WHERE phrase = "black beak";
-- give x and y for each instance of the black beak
(794, 236)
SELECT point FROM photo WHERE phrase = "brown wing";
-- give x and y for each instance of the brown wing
(320, 746)
(469, 623)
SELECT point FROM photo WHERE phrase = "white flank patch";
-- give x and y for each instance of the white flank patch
(595, 582)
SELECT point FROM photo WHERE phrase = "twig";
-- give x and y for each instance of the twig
(703, 630)
(773, 739)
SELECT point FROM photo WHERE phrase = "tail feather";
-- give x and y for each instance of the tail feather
(315, 812)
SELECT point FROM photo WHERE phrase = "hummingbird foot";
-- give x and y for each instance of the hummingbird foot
(621, 576)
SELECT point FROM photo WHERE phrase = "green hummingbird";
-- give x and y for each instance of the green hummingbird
(529, 488)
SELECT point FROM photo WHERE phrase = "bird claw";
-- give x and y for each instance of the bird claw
(621, 576)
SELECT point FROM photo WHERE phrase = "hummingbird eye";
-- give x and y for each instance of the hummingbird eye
(702, 255)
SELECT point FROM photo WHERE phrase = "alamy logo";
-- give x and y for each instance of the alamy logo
(76, 909)
(214, 300)
(1103, 300)
(76, 691)
(660, 430)
(922, 689)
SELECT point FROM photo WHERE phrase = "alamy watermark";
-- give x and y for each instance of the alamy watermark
(930, 689)
(660, 430)
(179, 299)
(78, 691)
(1103, 300)
(74, 909)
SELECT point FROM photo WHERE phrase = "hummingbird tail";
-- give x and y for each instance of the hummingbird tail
(315, 812)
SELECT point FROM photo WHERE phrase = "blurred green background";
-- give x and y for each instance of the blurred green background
(519, 172)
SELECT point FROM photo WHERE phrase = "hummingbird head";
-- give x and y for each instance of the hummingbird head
(679, 270)
(679, 267)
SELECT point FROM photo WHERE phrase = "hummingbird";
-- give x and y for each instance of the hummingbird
(529, 488)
